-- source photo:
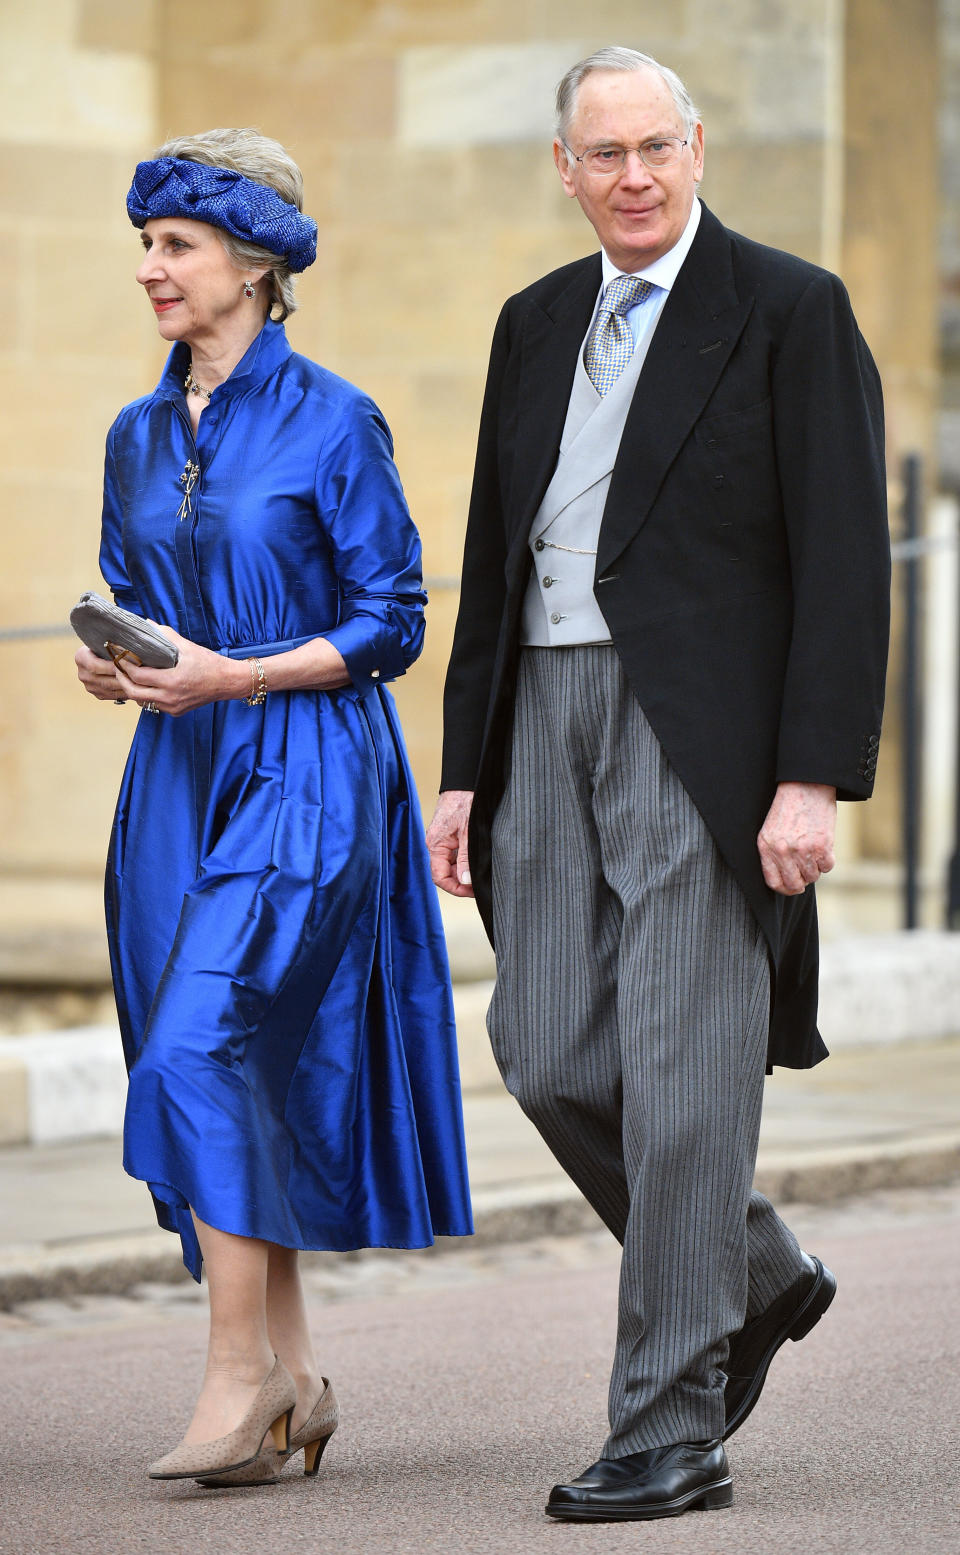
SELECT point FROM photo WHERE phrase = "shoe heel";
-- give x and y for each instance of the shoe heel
(803, 1326)
(280, 1430)
(820, 1299)
(312, 1454)
(720, 1495)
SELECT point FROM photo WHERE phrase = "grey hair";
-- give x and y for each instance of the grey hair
(615, 58)
(264, 161)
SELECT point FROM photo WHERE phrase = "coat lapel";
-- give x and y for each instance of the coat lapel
(551, 340)
(698, 329)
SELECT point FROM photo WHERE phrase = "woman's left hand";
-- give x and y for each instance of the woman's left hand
(198, 677)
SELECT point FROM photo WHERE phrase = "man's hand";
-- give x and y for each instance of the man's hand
(796, 839)
(447, 842)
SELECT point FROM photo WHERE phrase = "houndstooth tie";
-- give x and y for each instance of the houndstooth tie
(609, 345)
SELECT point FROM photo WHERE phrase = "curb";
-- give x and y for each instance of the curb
(70, 1085)
(846, 1171)
(115, 1266)
(883, 990)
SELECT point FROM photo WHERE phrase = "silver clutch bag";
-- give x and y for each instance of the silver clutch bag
(115, 634)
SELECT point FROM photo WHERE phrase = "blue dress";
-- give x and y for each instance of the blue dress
(276, 945)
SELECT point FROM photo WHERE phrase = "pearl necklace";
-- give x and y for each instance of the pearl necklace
(191, 385)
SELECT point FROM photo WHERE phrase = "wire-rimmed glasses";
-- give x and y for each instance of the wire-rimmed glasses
(603, 160)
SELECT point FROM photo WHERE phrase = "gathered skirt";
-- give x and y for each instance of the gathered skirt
(282, 981)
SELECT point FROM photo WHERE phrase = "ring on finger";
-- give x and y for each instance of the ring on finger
(150, 707)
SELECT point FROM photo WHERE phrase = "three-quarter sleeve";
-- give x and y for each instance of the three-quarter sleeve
(112, 564)
(375, 548)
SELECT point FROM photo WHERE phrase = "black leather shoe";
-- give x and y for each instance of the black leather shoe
(791, 1316)
(661, 1482)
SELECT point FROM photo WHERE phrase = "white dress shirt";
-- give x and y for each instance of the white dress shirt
(643, 318)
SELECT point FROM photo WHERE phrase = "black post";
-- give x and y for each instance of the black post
(911, 691)
(953, 872)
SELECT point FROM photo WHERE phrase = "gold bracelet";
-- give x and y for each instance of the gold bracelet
(258, 684)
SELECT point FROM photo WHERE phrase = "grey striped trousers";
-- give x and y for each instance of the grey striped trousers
(630, 1021)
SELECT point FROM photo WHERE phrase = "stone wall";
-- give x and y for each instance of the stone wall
(423, 130)
(77, 105)
(949, 239)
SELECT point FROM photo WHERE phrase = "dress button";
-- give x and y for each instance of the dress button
(538, 545)
(548, 583)
(556, 617)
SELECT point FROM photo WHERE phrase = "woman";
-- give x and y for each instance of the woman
(277, 954)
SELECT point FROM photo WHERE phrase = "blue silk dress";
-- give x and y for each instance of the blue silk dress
(277, 951)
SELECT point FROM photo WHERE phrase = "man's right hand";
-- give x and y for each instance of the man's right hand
(447, 842)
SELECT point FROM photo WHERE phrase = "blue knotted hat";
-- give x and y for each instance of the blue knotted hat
(255, 213)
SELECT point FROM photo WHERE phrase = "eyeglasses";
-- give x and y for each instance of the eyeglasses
(601, 161)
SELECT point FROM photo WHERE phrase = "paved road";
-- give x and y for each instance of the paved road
(471, 1380)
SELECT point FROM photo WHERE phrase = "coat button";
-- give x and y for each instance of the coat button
(874, 741)
(374, 674)
(556, 617)
(548, 583)
(538, 545)
(718, 480)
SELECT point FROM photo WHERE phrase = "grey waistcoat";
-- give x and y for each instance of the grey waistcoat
(559, 606)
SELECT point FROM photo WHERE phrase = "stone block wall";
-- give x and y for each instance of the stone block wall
(423, 129)
(77, 104)
(949, 238)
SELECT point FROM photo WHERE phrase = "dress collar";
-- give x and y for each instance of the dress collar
(261, 359)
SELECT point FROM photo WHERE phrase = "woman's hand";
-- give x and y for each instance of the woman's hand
(98, 676)
(198, 677)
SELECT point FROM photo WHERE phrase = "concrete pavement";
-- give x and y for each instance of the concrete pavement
(71, 1221)
(470, 1382)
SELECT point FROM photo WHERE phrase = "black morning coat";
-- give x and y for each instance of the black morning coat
(743, 565)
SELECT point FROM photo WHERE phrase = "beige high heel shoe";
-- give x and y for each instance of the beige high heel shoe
(269, 1414)
(312, 1436)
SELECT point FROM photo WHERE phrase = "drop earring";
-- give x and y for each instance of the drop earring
(249, 290)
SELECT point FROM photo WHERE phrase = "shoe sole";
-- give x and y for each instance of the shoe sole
(311, 1468)
(807, 1316)
(709, 1498)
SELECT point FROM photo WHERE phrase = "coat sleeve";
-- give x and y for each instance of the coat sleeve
(469, 678)
(375, 548)
(828, 425)
(112, 564)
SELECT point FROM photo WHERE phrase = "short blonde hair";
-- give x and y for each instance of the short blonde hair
(263, 160)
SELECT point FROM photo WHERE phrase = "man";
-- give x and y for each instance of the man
(668, 664)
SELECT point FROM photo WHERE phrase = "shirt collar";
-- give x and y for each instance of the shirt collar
(260, 360)
(663, 271)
